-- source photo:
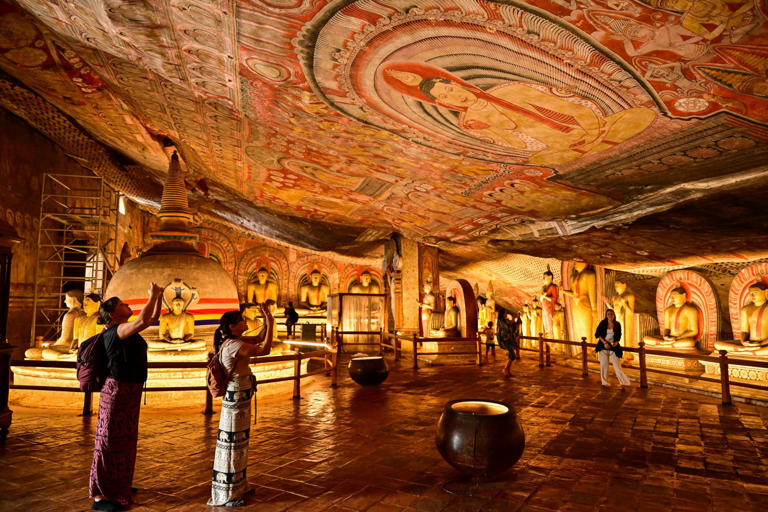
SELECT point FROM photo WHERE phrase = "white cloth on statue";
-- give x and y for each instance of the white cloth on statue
(604, 356)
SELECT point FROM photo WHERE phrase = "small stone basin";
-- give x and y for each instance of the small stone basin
(369, 370)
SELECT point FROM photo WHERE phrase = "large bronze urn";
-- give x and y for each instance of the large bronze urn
(480, 438)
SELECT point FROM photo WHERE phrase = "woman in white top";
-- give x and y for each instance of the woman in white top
(608, 334)
(229, 484)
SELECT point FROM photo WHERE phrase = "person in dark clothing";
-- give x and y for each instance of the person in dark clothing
(117, 429)
(509, 330)
(291, 319)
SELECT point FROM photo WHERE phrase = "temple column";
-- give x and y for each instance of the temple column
(410, 287)
(8, 238)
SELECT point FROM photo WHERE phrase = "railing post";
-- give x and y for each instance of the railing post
(541, 350)
(397, 347)
(547, 354)
(415, 353)
(643, 372)
(87, 401)
(725, 378)
(584, 366)
(297, 378)
(479, 347)
(335, 369)
(208, 398)
(381, 342)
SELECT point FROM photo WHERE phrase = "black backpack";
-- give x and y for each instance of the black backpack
(92, 364)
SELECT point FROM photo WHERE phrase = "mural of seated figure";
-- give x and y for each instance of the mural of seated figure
(681, 324)
(754, 325)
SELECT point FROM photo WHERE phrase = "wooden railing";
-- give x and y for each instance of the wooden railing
(328, 356)
(416, 340)
(642, 352)
(337, 335)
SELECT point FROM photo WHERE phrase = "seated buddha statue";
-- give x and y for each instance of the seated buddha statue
(73, 299)
(365, 285)
(314, 295)
(451, 322)
(753, 320)
(262, 289)
(681, 324)
(85, 326)
(177, 330)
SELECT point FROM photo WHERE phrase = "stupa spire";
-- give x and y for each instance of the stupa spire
(174, 214)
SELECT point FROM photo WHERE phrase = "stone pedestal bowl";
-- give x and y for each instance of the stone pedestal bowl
(480, 438)
(369, 370)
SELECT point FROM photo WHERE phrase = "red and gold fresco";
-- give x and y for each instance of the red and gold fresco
(450, 119)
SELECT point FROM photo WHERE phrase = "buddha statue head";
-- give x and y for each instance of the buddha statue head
(91, 304)
(262, 275)
(250, 311)
(558, 307)
(427, 286)
(549, 277)
(451, 300)
(620, 286)
(678, 296)
(73, 299)
(526, 307)
(758, 293)
(177, 306)
(314, 277)
(365, 279)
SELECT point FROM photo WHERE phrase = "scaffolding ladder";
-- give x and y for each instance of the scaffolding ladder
(76, 246)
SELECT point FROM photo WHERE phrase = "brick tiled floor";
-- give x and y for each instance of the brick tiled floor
(373, 449)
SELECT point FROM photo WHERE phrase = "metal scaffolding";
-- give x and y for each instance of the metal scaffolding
(76, 245)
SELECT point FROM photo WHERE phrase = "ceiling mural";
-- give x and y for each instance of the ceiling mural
(462, 123)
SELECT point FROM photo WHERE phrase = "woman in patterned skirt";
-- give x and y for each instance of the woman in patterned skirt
(117, 429)
(230, 484)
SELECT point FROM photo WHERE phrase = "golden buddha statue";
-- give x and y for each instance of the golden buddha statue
(525, 319)
(427, 306)
(73, 299)
(451, 321)
(177, 329)
(314, 295)
(681, 323)
(262, 289)
(253, 321)
(583, 293)
(623, 304)
(365, 284)
(177, 326)
(85, 327)
(753, 320)
(482, 314)
(558, 323)
(537, 326)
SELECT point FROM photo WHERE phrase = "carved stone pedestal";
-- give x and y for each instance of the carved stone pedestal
(738, 372)
(671, 363)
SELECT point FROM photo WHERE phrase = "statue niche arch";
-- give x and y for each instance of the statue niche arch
(269, 258)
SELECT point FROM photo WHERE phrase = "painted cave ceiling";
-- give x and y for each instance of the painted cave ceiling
(616, 130)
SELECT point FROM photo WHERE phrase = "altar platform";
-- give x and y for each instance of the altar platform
(354, 449)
